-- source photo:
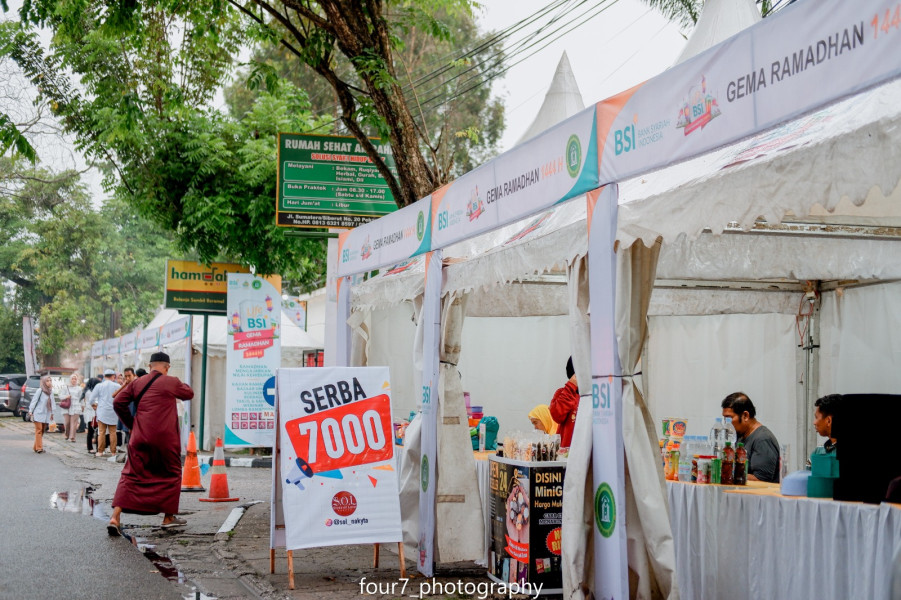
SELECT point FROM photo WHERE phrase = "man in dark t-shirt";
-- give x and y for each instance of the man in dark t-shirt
(760, 443)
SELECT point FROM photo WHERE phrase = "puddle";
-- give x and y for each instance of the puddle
(79, 501)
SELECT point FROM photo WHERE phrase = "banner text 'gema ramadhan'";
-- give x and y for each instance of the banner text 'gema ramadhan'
(386, 241)
(330, 181)
(337, 457)
(554, 166)
(801, 58)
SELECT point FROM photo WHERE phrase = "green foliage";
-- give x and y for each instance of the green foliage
(12, 353)
(10, 137)
(459, 131)
(73, 263)
(146, 76)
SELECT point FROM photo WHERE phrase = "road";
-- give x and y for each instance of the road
(48, 553)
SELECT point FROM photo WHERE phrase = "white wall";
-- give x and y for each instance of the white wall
(860, 341)
(510, 365)
(392, 335)
(694, 362)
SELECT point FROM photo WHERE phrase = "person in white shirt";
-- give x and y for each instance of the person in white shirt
(102, 400)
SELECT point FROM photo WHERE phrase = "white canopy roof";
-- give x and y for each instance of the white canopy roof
(808, 179)
(294, 339)
(562, 101)
(719, 20)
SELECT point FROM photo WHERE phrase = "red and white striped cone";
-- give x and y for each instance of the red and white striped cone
(218, 478)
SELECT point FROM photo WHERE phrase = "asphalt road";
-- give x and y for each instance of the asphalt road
(46, 552)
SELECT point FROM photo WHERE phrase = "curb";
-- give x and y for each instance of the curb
(239, 461)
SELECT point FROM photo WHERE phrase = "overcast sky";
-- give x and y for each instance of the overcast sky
(622, 46)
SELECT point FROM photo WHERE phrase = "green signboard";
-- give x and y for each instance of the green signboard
(329, 181)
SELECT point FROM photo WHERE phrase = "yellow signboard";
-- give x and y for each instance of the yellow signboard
(195, 287)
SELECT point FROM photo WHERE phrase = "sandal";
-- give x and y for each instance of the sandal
(113, 529)
(176, 522)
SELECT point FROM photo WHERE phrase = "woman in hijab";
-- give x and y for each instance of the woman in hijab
(41, 411)
(542, 420)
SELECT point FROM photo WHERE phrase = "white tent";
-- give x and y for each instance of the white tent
(739, 230)
(294, 342)
(562, 100)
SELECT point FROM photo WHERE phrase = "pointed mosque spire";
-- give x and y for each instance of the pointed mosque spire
(562, 100)
(719, 20)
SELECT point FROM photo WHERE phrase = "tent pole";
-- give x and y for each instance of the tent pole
(206, 328)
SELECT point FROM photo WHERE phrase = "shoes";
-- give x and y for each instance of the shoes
(41, 451)
(113, 529)
(176, 522)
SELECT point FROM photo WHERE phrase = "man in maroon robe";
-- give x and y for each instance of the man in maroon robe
(151, 479)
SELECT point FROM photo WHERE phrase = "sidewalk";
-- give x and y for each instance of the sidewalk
(231, 561)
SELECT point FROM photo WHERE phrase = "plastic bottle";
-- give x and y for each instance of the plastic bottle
(715, 437)
(481, 437)
(728, 465)
(729, 431)
(740, 470)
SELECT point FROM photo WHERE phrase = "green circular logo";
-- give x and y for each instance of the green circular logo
(424, 473)
(257, 284)
(605, 510)
(573, 155)
(420, 226)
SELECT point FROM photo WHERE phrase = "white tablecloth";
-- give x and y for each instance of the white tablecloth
(765, 546)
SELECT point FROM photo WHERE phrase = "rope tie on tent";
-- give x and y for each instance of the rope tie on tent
(620, 376)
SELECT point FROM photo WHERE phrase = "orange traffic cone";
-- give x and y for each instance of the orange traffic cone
(190, 480)
(218, 478)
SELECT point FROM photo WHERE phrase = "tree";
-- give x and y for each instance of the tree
(12, 352)
(459, 122)
(77, 269)
(143, 113)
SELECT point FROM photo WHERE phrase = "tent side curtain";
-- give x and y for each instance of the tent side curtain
(841, 151)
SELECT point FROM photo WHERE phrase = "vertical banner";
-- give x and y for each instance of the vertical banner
(31, 363)
(339, 484)
(253, 354)
(296, 309)
(610, 558)
(431, 321)
(342, 342)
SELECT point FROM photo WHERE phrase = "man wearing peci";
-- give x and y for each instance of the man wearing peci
(760, 443)
(151, 479)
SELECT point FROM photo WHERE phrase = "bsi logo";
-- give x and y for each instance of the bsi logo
(600, 395)
(345, 255)
(442, 220)
(624, 139)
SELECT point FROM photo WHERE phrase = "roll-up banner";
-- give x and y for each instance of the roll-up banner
(31, 363)
(803, 57)
(253, 355)
(338, 478)
(388, 240)
(608, 472)
(431, 319)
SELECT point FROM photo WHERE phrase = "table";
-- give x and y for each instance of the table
(755, 543)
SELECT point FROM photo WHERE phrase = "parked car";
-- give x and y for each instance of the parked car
(11, 392)
(28, 392)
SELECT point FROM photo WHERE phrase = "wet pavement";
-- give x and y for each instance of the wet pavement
(70, 491)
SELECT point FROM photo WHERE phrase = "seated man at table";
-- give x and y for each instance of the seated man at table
(760, 443)
(824, 409)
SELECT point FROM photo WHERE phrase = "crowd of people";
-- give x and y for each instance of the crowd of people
(133, 410)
